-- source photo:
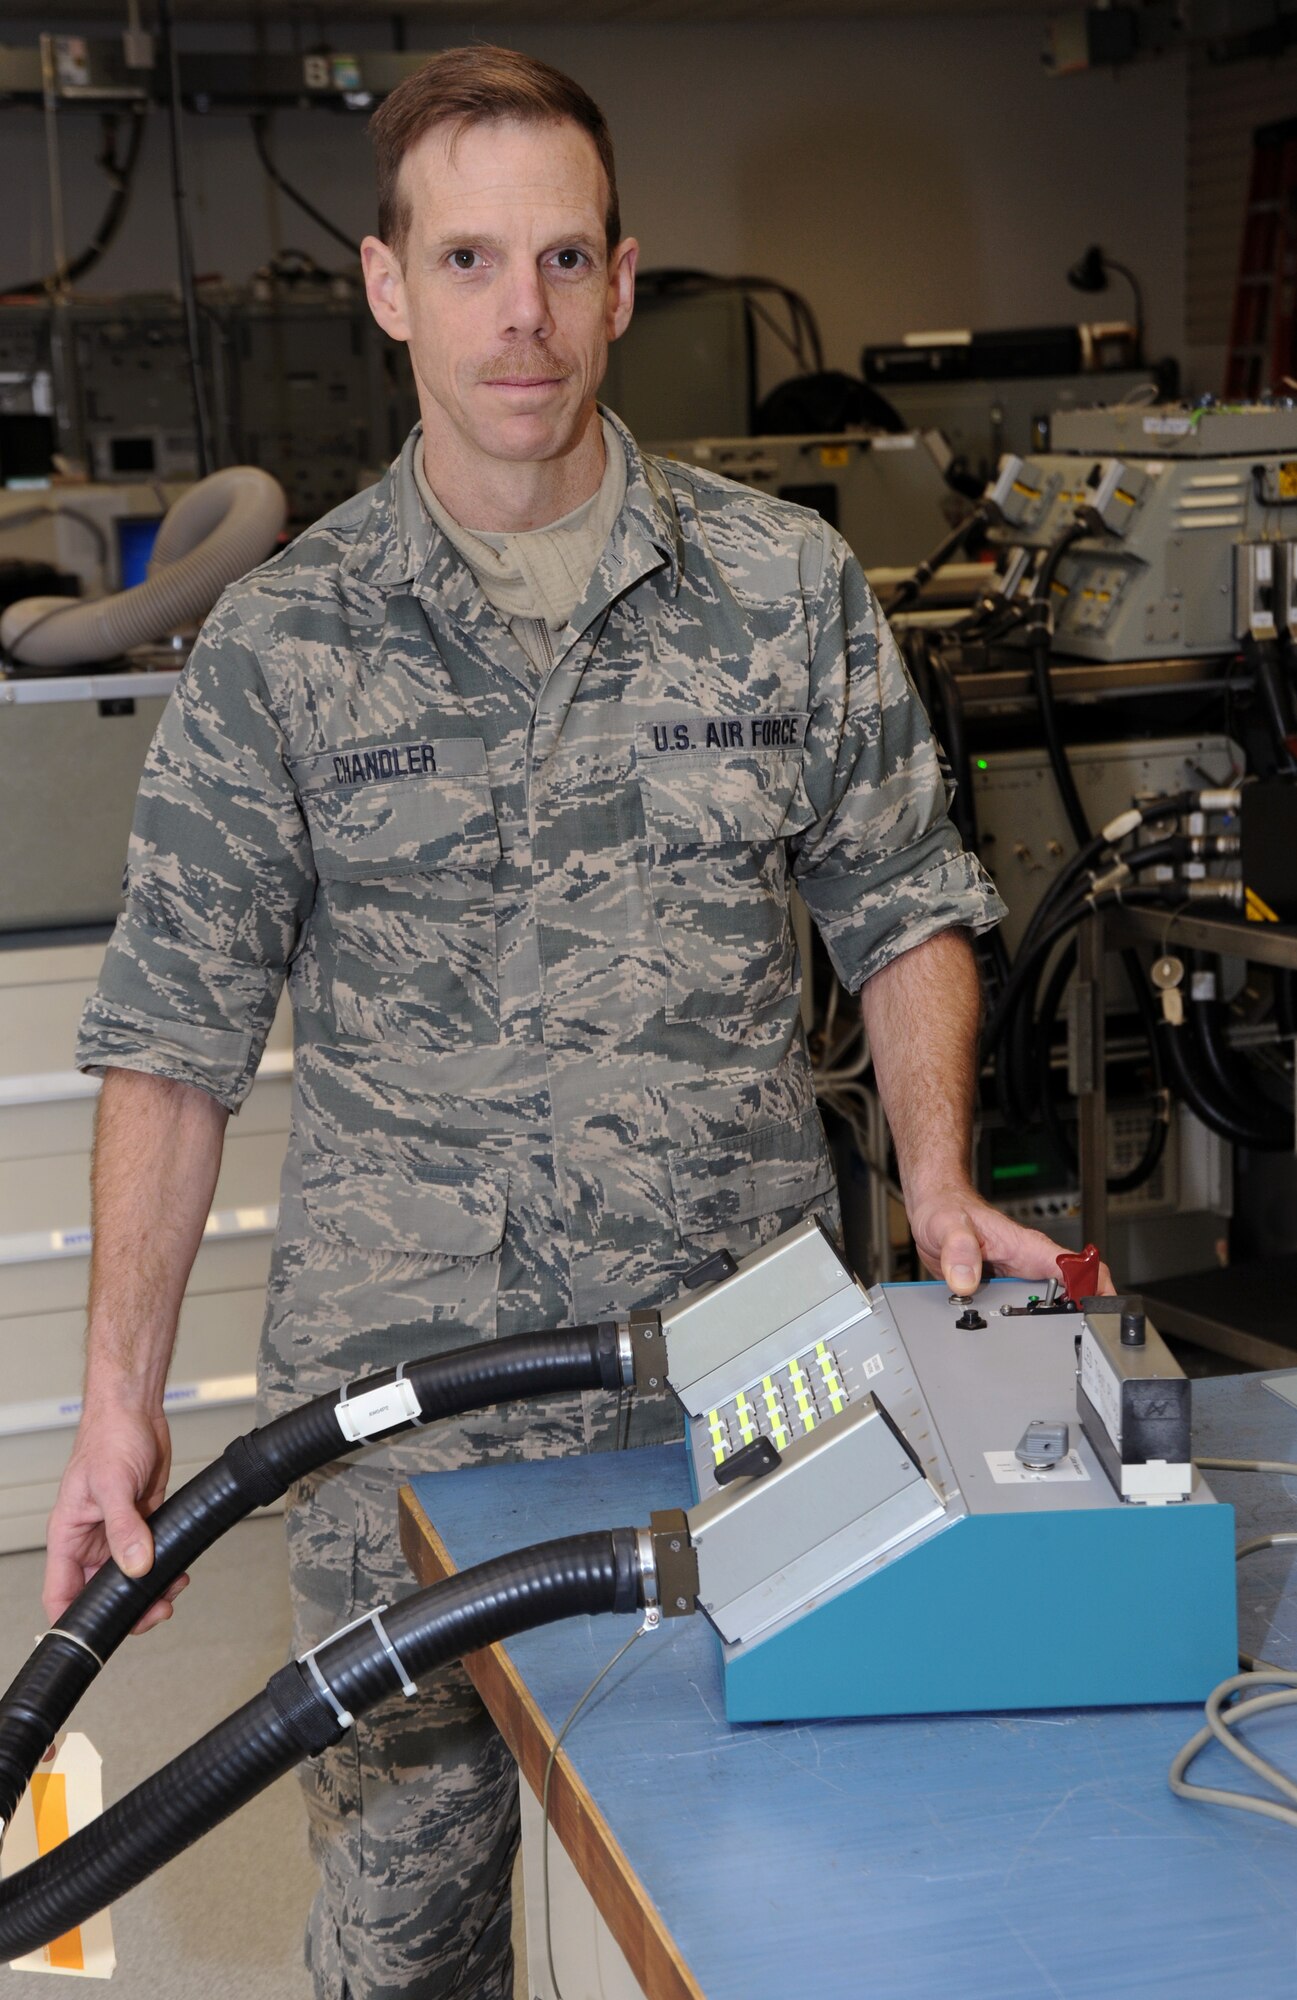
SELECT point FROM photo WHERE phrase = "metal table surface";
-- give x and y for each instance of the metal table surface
(1004, 1857)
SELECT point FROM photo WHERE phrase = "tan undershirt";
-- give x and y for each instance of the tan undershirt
(536, 579)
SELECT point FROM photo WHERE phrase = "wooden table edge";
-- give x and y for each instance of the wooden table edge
(633, 1919)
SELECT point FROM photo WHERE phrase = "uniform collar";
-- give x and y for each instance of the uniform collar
(399, 544)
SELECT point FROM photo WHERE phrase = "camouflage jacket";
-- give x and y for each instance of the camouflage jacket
(536, 930)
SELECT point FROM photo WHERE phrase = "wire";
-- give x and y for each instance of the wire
(1038, 630)
(15, 665)
(1221, 1723)
(50, 511)
(923, 573)
(1155, 1145)
(555, 1747)
(803, 341)
(121, 175)
(260, 123)
(1252, 1465)
(170, 70)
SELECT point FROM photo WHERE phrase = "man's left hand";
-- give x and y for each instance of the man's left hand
(957, 1233)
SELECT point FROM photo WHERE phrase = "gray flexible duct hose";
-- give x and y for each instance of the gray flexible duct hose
(215, 533)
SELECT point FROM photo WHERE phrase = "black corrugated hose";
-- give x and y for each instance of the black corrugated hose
(1014, 1067)
(291, 1718)
(251, 1472)
(1226, 1077)
(949, 546)
(1155, 1145)
(1191, 1081)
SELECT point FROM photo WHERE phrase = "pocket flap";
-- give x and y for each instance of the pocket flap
(777, 1166)
(434, 819)
(441, 1203)
(707, 796)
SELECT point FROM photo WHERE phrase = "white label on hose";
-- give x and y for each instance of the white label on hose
(377, 1410)
(65, 1794)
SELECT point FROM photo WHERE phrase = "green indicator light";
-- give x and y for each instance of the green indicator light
(982, 764)
(1019, 1170)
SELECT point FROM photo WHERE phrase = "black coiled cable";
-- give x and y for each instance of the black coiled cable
(251, 1472)
(291, 1718)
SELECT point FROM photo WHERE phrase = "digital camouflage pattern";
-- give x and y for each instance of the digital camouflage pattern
(413, 1833)
(547, 1049)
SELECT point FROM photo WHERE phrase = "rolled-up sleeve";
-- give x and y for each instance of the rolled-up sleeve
(879, 865)
(219, 883)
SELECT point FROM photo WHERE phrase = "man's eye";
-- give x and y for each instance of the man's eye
(463, 260)
(569, 260)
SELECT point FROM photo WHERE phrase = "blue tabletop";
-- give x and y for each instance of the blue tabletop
(973, 1858)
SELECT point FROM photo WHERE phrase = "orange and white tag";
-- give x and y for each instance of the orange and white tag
(65, 1794)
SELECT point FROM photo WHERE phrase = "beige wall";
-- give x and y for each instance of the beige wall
(902, 172)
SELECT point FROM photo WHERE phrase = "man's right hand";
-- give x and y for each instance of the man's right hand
(117, 1475)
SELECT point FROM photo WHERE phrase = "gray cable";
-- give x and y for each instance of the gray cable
(544, 1798)
(1276, 1541)
(1220, 1726)
(1221, 1722)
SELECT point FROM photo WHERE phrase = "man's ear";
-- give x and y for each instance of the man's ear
(621, 286)
(385, 287)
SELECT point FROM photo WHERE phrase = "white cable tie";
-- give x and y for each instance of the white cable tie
(345, 1717)
(374, 1410)
(419, 1420)
(61, 1632)
(408, 1688)
(308, 1659)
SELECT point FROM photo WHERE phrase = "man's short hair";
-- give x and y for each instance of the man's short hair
(477, 86)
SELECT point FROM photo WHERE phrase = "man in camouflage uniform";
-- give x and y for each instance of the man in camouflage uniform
(519, 829)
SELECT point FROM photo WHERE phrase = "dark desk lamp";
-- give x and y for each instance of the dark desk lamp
(1090, 274)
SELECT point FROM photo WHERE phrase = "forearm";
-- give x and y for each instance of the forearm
(157, 1155)
(922, 1014)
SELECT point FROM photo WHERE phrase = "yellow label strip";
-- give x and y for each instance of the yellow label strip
(50, 1803)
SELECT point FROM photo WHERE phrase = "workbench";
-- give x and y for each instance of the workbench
(1002, 1857)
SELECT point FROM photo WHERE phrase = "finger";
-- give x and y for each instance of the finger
(129, 1542)
(155, 1615)
(961, 1255)
(1024, 1253)
(162, 1607)
(1107, 1290)
(64, 1578)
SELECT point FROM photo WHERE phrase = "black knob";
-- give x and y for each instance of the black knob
(752, 1461)
(970, 1321)
(1132, 1328)
(710, 1272)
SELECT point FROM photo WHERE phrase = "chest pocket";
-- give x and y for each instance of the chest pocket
(404, 925)
(719, 877)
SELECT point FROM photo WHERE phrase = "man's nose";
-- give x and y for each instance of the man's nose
(526, 304)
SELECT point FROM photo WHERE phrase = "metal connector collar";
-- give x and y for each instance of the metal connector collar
(648, 1353)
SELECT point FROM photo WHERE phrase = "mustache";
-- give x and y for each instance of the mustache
(524, 364)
